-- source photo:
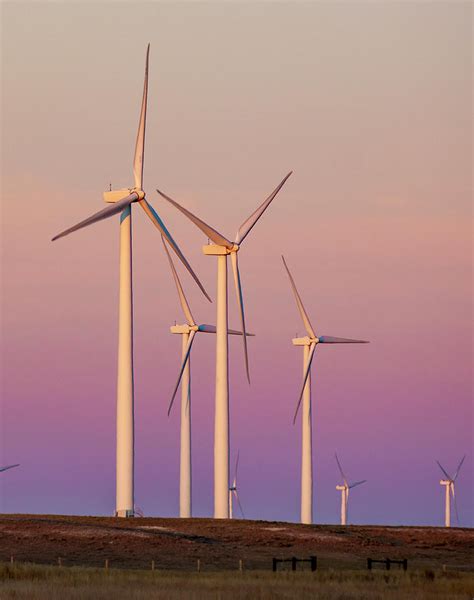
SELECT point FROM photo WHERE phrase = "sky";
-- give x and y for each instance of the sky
(370, 105)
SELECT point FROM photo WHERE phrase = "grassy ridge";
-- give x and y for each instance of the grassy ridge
(35, 582)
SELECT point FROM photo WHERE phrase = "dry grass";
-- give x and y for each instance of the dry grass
(36, 582)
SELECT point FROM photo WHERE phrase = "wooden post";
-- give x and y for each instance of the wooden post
(106, 565)
(293, 563)
(314, 562)
(274, 566)
(152, 565)
(199, 565)
(369, 564)
(12, 560)
(60, 562)
(241, 565)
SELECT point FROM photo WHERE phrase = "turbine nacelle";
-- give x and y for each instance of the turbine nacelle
(183, 328)
(113, 196)
(341, 488)
(445, 482)
(217, 250)
(305, 341)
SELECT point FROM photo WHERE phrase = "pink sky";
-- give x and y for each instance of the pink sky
(370, 105)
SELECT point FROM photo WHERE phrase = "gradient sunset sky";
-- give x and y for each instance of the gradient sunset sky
(370, 105)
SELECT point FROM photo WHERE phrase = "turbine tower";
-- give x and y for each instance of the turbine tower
(120, 201)
(9, 467)
(449, 485)
(222, 247)
(344, 489)
(309, 344)
(187, 332)
(233, 493)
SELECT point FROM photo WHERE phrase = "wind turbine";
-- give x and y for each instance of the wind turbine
(449, 484)
(222, 247)
(233, 492)
(309, 344)
(9, 467)
(121, 202)
(344, 489)
(188, 332)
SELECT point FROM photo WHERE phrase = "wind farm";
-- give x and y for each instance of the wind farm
(265, 459)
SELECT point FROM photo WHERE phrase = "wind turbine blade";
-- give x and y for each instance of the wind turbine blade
(304, 316)
(140, 143)
(209, 231)
(179, 287)
(305, 379)
(207, 328)
(353, 485)
(455, 502)
(236, 466)
(327, 339)
(212, 329)
(459, 468)
(8, 467)
(181, 371)
(105, 213)
(240, 505)
(340, 470)
(247, 225)
(156, 220)
(447, 476)
(240, 302)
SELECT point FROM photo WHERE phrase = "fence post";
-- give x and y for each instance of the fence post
(405, 564)
(314, 563)
(274, 566)
(152, 565)
(387, 564)
(106, 564)
(241, 565)
(199, 565)
(12, 560)
(293, 563)
(60, 563)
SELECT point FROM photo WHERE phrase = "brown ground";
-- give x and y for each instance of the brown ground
(178, 543)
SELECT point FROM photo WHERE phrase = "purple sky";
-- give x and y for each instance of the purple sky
(370, 105)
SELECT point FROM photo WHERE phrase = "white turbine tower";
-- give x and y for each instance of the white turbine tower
(120, 202)
(344, 489)
(9, 467)
(233, 492)
(309, 344)
(222, 247)
(187, 332)
(449, 485)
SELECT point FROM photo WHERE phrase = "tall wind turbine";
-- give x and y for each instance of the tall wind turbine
(344, 489)
(222, 247)
(9, 467)
(187, 332)
(121, 202)
(309, 344)
(233, 493)
(449, 484)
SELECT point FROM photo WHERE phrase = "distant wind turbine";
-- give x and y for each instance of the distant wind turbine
(120, 202)
(449, 484)
(309, 344)
(222, 247)
(188, 332)
(233, 492)
(344, 489)
(9, 467)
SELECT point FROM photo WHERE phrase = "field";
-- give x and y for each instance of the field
(440, 561)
